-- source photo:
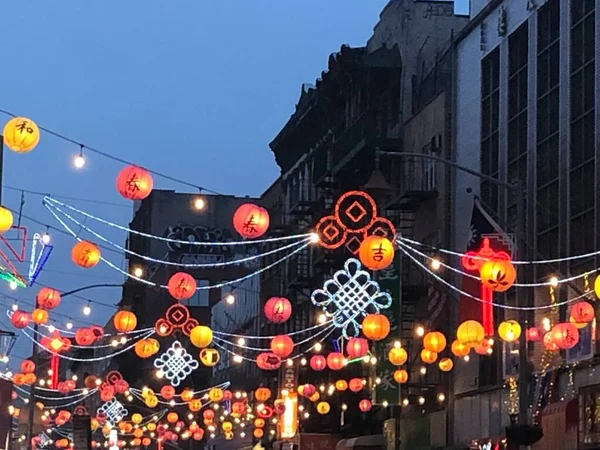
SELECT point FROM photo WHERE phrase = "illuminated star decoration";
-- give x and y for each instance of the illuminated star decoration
(38, 259)
(176, 363)
(349, 296)
(113, 411)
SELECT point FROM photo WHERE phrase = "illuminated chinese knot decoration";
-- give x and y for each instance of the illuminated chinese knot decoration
(349, 296)
(176, 363)
(177, 318)
(113, 412)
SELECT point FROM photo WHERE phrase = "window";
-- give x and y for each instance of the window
(201, 297)
(490, 115)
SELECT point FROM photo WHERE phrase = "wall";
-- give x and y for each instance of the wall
(480, 416)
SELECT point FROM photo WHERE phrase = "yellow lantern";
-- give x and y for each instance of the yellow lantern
(21, 134)
(228, 435)
(499, 276)
(172, 417)
(401, 376)
(227, 426)
(259, 423)
(428, 356)
(323, 408)
(195, 405)
(147, 392)
(341, 385)
(209, 357)
(597, 286)
(397, 356)
(434, 341)
(201, 336)
(460, 349)
(470, 333)
(445, 364)
(106, 429)
(151, 401)
(151, 426)
(6, 219)
(136, 418)
(509, 330)
(187, 395)
(315, 397)
(215, 395)
(94, 424)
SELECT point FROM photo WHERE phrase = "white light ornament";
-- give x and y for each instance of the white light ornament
(349, 296)
(176, 363)
(113, 411)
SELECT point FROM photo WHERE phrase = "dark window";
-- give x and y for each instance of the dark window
(490, 116)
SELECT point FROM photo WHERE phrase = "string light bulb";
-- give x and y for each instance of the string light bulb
(199, 203)
(230, 299)
(79, 160)
(69, 325)
(87, 310)
(322, 318)
(14, 306)
(435, 264)
(46, 238)
(138, 272)
(554, 281)
(420, 331)
(12, 285)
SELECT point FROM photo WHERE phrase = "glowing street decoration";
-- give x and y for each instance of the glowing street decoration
(288, 424)
(8, 271)
(38, 259)
(176, 364)
(113, 411)
(349, 296)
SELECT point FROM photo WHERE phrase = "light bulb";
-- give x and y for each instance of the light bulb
(421, 400)
(554, 281)
(322, 318)
(441, 397)
(237, 359)
(303, 361)
(241, 341)
(69, 325)
(51, 328)
(423, 370)
(199, 203)
(420, 331)
(12, 285)
(138, 272)
(230, 299)
(314, 238)
(385, 404)
(79, 161)
(46, 238)
(397, 344)
(290, 363)
(435, 264)
(14, 307)
(87, 310)
(318, 347)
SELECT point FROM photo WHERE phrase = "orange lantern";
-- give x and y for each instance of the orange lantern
(181, 286)
(485, 347)
(335, 361)
(20, 319)
(39, 316)
(146, 441)
(565, 335)
(259, 423)
(376, 252)
(30, 378)
(282, 345)
(195, 405)
(376, 327)
(138, 433)
(445, 364)
(582, 312)
(498, 276)
(356, 384)
(434, 341)
(90, 382)
(470, 333)
(262, 394)
(19, 379)
(145, 348)
(401, 376)
(428, 356)
(187, 395)
(251, 221)
(258, 433)
(341, 385)
(134, 183)
(125, 321)
(172, 417)
(459, 349)
(397, 356)
(47, 298)
(85, 254)
(357, 347)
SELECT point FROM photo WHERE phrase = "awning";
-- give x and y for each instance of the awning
(376, 440)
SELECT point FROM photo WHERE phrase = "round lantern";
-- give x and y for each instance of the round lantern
(259, 423)
(549, 343)
(278, 309)
(308, 390)
(6, 219)
(401, 376)
(85, 254)
(565, 335)
(20, 319)
(323, 408)
(47, 298)
(470, 333)
(85, 336)
(498, 276)
(195, 405)
(459, 349)
(445, 364)
(262, 394)
(125, 321)
(27, 366)
(428, 357)
(484, 348)
(268, 361)
(208, 414)
(134, 183)
(201, 336)
(145, 348)
(434, 341)
(282, 345)
(215, 395)
(376, 327)
(181, 286)
(227, 426)
(198, 435)
(341, 385)
(210, 357)
(238, 408)
(172, 417)
(258, 433)
(39, 316)
(318, 363)
(397, 356)
(21, 134)
(533, 334)
(356, 384)
(335, 361)
(151, 401)
(364, 405)
(357, 348)
(251, 221)
(597, 286)
(509, 330)
(167, 392)
(187, 395)
(137, 418)
(582, 312)
(376, 252)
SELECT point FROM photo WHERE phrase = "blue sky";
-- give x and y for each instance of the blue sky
(195, 89)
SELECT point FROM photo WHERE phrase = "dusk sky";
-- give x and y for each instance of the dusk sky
(195, 89)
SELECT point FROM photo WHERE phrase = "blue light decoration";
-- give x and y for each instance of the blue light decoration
(38, 259)
(349, 296)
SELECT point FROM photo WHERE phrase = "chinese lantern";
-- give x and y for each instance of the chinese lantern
(227, 426)
(434, 341)
(259, 423)
(84, 336)
(364, 405)
(258, 433)
(172, 417)
(376, 327)
(341, 385)
(195, 405)
(146, 441)
(485, 347)
(597, 286)
(278, 309)
(251, 221)
(268, 361)
(167, 392)
(39, 316)
(27, 366)
(357, 348)
(445, 364)
(459, 349)
(181, 286)
(134, 183)
(136, 418)
(335, 361)
(215, 395)
(6, 219)
(198, 435)
(565, 335)
(262, 394)
(397, 356)
(428, 357)
(582, 312)
(187, 395)
(323, 408)
(282, 345)
(21, 134)
(201, 336)
(151, 401)
(47, 298)
(20, 319)
(90, 381)
(85, 254)
(318, 363)
(470, 333)
(145, 348)
(238, 408)
(210, 357)
(401, 376)
(124, 321)
(376, 252)
(549, 343)
(509, 330)
(498, 276)
(208, 414)
(356, 385)
(227, 395)
(308, 390)
(533, 334)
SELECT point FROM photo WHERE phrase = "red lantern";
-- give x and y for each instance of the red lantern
(278, 309)
(565, 335)
(198, 435)
(251, 221)
(208, 414)
(167, 392)
(182, 286)
(282, 345)
(134, 183)
(47, 298)
(268, 361)
(107, 393)
(27, 366)
(356, 385)
(582, 312)
(533, 334)
(121, 386)
(308, 390)
(549, 343)
(84, 336)
(238, 408)
(227, 396)
(20, 319)
(318, 363)
(364, 405)
(357, 348)
(335, 361)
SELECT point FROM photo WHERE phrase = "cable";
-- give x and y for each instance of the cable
(66, 197)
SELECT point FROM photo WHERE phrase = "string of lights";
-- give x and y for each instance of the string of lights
(293, 333)
(81, 393)
(66, 197)
(113, 344)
